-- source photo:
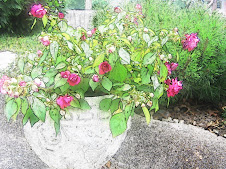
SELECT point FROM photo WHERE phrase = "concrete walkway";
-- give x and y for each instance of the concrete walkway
(157, 146)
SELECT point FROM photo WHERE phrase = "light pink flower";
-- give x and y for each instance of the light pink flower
(73, 79)
(60, 15)
(138, 7)
(95, 78)
(64, 101)
(174, 87)
(190, 42)
(45, 40)
(39, 83)
(89, 34)
(93, 31)
(104, 67)
(65, 74)
(2, 84)
(117, 9)
(22, 84)
(39, 52)
(38, 11)
(135, 21)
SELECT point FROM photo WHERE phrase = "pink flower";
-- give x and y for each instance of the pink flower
(171, 67)
(39, 83)
(83, 37)
(64, 101)
(104, 67)
(89, 34)
(190, 42)
(117, 9)
(135, 21)
(95, 78)
(45, 40)
(22, 83)
(39, 52)
(138, 7)
(38, 11)
(93, 31)
(73, 79)
(2, 82)
(65, 74)
(60, 15)
(174, 87)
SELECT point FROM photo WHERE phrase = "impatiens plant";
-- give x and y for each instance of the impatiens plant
(120, 58)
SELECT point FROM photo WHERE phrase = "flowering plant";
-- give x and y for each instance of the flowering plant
(121, 58)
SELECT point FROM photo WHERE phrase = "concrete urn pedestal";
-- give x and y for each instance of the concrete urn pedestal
(84, 142)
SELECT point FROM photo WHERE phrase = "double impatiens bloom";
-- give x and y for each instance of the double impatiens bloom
(174, 87)
(72, 78)
(64, 101)
(190, 42)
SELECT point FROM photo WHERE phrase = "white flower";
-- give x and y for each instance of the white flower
(149, 103)
(90, 58)
(79, 67)
(170, 56)
(111, 49)
(62, 112)
(142, 105)
(13, 80)
(151, 95)
(78, 96)
(89, 34)
(129, 38)
(146, 30)
(162, 57)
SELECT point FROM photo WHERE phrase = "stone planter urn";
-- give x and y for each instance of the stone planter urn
(84, 142)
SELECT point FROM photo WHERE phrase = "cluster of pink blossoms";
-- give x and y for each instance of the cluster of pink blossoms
(45, 40)
(72, 78)
(190, 42)
(64, 101)
(171, 67)
(17, 87)
(174, 87)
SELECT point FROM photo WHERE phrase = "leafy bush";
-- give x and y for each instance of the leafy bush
(203, 71)
(15, 15)
(75, 4)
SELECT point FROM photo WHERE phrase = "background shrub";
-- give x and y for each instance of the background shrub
(14, 15)
(203, 71)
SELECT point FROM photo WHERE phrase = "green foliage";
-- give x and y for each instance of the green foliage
(202, 71)
(75, 4)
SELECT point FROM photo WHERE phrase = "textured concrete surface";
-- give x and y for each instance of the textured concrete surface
(6, 58)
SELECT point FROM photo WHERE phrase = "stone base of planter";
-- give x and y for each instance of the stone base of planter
(84, 142)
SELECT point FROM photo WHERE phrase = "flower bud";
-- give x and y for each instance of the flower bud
(151, 95)
(170, 56)
(47, 100)
(137, 104)
(62, 112)
(78, 96)
(111, 49)
(79, 67)
(162, 57)
(39, 53)
(149, 103)
(89, 34)
(95, 78)
(175, 29)
(90, 59)
(129, 38)
(146, 30)
(142, 105)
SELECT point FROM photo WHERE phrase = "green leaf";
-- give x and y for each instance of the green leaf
(33, 119)
(129, 110)
(163, 72)
(145, 76)
(119, 73)
(118, 124)
(105, 104)
(153, 40)
(106, 83)
(70, 45)
(149, 58)
(64, 87)
(86, 49)
(114, 105)
(44, 20)
(57, 128)
(21, 65)
(39, 109)
(75, 103)
(59, 81)
(147, 114)
(27, 115)
(63, 26)
(45, 54)
(155, 105)
(84, 104)
(37, 71)
(55, 115)
(54, 47)
(98, 60)
(51, 73)
(61, 65)
(93, 84)
(18, 102)
(24, 106)
(124, 55)
(164, 40)
(11, 108)
(159, 91)
(146, 37)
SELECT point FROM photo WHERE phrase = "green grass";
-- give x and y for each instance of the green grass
(20, 45)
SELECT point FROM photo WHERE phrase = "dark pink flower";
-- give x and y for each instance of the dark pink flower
(45, 40)
(95, 78)
(38, 11)
(64, 101)
(22, 83)
(174, 87)
(117, 9)
(104, 67)
(93, 31)
(73, 79)
(65, 74)
(171, 67)
(60, 15)
(190, 42)
(138, 7)
(83, 37)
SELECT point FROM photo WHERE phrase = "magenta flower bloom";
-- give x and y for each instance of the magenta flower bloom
(95, 78)
(83, 37)
(104, 67)
(45, 40)
(93, 31)
(39, 52)
(65, 74)
(73, 79)
(190, 42)
(174, 87)
(64, 101)
(38, 11)
(171, 67)
(22, 84)
(60, 15)
(138, 7)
